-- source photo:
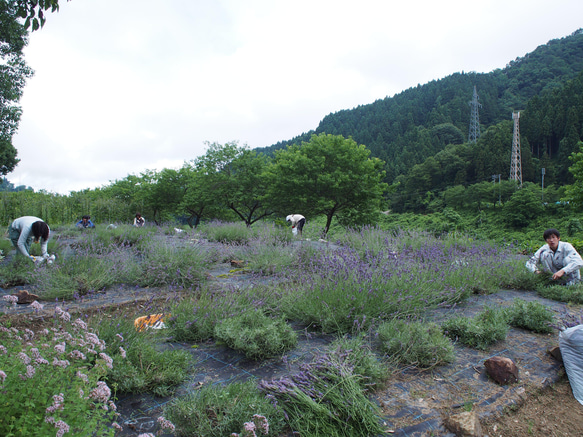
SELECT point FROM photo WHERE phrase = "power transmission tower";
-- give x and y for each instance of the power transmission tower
(515, 161)
(474, 118)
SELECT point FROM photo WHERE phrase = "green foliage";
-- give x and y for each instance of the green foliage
(415, 343)
(360, 355)
(13, 76)
(15, 272)
(524, 206)
(256, 335)
(571, 293)
(328, 175)
(533, 316)
(479, 332)
(227, 233)
(48, 375)
(218, 411)
(143, 368)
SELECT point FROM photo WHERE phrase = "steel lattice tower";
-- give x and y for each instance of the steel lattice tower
(515, 160)
(474, 133)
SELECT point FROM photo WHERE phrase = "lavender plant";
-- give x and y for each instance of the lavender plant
(140, 366)
(415, 343)
(533, 316)
(480, 331)
(50, 381)
(350, 289)
(256, 335)
(218, 410)
(571, 294)
(326, 398)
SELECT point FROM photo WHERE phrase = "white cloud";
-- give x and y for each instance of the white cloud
(125, 86)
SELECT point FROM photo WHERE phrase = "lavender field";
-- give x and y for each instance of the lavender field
(257, 291)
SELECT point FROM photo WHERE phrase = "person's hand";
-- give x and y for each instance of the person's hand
(32, 258)
(558, 274)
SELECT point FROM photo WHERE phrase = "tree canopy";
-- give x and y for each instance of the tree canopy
(13, 75)
(328, 175)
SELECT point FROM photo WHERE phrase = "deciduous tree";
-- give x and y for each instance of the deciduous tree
(328, 175)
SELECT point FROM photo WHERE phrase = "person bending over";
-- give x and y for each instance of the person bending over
(297, 220)
(557, 258)
(24, 230)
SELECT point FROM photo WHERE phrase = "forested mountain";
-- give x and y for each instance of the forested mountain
(406, 129)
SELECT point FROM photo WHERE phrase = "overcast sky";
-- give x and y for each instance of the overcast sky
(122, 86)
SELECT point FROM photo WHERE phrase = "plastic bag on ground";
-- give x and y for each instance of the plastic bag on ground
(571, 345)
(295, 230)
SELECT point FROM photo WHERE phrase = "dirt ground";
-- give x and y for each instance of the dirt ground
(551, 412)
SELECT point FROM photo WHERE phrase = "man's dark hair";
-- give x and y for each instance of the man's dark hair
(549, 232)
(40, 230)
(86, 217)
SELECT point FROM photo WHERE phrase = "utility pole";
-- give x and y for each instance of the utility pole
(515, 160)
(494, 177)
(474, 133)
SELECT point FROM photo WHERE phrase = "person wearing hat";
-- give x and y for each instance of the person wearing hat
(24, 230)
(297, 221)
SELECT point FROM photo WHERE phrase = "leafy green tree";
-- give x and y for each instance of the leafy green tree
(33, 11)
(328, 175)
(524, 206)
(162, 193)
(227, 177)
(574, 192)
(13, 75)
(245, 190)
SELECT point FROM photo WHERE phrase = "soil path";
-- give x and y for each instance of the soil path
(413, 403)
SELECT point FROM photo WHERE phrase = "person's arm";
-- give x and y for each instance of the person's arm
(91, 225)
(533, 262)
(572, 259)
(43, 247)
(21, 246)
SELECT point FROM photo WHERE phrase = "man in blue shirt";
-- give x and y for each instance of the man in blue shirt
(85, 222)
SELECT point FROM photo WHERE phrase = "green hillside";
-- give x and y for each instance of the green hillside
(406, 129)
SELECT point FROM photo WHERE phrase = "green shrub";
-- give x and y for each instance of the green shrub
(219, 411)
(479, 332)
(533, 316)
(415, 343)
(256, 335)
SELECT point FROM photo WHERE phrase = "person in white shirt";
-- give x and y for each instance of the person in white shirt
(139, 221)
(24, 230)
(558, 258)
(297, 221)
